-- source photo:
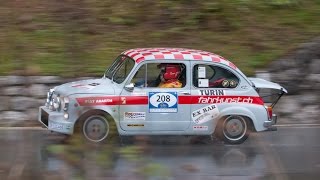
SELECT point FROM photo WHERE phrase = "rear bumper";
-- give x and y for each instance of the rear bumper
(269, 123)
(54, 121)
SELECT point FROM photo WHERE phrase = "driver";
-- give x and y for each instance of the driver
(169, 76)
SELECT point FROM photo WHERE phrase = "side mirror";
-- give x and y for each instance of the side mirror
(129, 87)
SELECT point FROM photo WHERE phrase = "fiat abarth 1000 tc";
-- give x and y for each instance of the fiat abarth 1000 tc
(163, 91)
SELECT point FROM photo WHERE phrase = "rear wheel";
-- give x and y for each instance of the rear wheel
(233, 129)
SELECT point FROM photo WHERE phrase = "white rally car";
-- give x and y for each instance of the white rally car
(163, 91)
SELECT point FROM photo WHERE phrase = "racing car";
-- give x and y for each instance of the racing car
(163, 91)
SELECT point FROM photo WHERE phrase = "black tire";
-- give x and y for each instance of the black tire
(97, 127)
(233, 129)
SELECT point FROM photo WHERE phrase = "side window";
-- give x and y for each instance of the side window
(139, 78)
(210, 76)
(153, 75)
(162, 75)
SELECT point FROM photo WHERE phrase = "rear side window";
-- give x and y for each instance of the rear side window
(211, 76)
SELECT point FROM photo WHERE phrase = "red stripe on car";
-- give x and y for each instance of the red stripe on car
(143, 100)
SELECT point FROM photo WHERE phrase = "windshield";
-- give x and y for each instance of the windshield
(120, 69)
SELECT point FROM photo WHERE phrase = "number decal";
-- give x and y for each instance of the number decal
(163, 102)
(163, 98)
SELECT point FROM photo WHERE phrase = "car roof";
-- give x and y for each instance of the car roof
(142, 54)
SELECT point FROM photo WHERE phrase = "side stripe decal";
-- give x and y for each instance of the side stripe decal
(143, 100)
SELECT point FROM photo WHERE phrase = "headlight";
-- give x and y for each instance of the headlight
(65, 103)
(51, 105)
(48, 99)
(57, 103)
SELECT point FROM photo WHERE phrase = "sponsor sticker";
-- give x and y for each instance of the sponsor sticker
(225, 83)
(54, 125)
(134, 116)
(233, 83)
(97, 101)
(163, 102)
(211, 100)
(201, 72)
(205, 114)
(83, 86)
(203, 82)
(211, 92)
(200, 128)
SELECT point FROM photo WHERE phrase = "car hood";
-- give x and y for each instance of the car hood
(264, 84)
(91, 86)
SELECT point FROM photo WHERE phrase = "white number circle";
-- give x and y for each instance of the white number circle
(163, 98)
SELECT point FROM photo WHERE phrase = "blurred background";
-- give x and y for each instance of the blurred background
(82, 37)
(46, 43)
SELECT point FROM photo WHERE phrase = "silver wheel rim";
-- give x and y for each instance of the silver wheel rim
(234, 128)
(96, 128)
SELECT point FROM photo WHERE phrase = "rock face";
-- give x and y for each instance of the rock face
(299, 73)
(21, 96)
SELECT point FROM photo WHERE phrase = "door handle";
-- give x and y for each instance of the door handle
(184, 92)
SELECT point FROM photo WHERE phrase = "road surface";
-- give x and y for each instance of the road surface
(292, 152)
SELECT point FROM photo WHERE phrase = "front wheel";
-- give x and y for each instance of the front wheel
(97, 127)
(233, 129)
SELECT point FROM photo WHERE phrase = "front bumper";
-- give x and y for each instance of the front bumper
(273, 121)
(54, 121)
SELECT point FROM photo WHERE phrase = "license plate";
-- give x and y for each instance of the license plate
(54, 125)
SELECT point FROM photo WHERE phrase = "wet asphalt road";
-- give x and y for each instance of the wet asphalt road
(289, 153)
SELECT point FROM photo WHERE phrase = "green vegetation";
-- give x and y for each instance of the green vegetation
(82, 37)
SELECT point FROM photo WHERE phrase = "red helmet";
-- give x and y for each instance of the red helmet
(170, 71)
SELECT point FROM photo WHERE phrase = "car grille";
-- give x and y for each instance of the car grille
(44, 117)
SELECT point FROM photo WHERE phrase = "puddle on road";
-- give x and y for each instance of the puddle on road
(154, 160)
(47, 157)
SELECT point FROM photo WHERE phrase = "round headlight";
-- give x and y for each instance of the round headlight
(57, 103)
(66, 103)
(51, 105)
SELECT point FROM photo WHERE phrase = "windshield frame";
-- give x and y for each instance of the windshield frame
(116, 65)
(108, 74)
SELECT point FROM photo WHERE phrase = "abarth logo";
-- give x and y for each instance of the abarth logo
(94, 101)
(123, 100)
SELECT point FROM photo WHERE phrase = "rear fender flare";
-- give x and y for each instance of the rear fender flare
(240, 111)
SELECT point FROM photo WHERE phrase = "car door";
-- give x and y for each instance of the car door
(214, 88)
(155, 108)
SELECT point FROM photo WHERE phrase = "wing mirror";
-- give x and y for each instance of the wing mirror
(129, 87)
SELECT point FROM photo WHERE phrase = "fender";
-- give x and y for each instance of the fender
(242, 111)
(107, 109)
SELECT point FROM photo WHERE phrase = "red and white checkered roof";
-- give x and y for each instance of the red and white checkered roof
(141, 54)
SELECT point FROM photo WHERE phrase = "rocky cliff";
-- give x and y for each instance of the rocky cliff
(21, 96)
(299, 73)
